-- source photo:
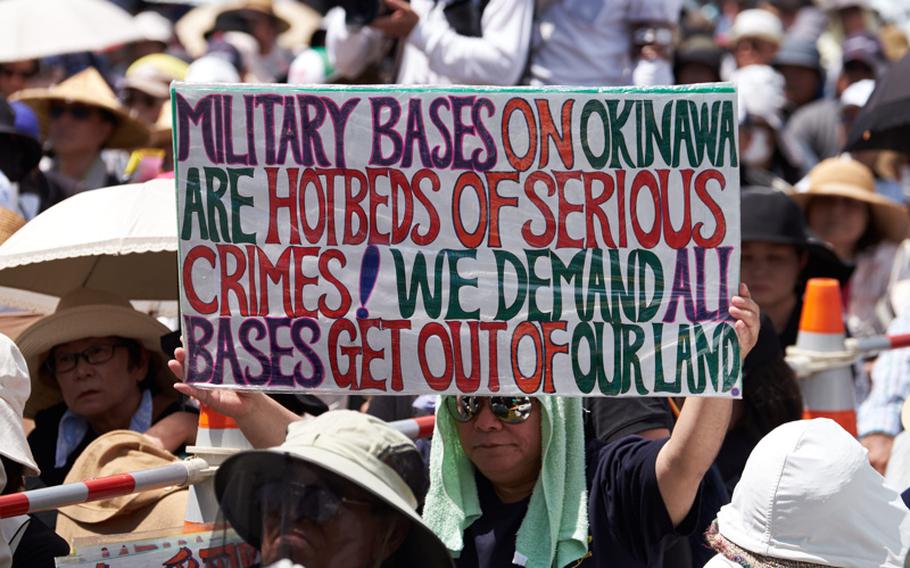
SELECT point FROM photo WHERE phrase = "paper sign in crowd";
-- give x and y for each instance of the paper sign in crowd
(430, 240)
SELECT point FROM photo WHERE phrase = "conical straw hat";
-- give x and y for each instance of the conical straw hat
(87, 87)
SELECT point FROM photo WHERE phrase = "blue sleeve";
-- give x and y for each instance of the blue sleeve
(625, 506)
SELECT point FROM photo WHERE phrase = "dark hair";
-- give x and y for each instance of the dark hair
(14, 472)
(771, 397)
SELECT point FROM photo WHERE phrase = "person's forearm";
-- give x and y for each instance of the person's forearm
(690, 451)
(266, 424)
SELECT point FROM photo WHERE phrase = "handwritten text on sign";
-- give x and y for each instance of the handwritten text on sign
(460, 241)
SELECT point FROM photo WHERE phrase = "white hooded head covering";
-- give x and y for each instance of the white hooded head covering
(809, 494)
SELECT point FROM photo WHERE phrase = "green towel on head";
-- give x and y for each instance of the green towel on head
(554, 531)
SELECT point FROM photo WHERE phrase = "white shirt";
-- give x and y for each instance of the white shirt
(588, 42)
(434, 53)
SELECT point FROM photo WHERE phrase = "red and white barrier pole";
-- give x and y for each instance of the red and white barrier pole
(415, 428)
(48, 498)
(187, 472)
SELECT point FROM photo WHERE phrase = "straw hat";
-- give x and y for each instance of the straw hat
(296, 22)
(88, 87)
(122, 451)
(86, 313)
(845, 177)
(10, 222)
(356, 447)
(14, 390)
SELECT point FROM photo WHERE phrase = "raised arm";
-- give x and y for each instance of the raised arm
(702, 425)
(263, 421)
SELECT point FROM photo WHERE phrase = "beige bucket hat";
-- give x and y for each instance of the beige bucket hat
(87, 87)
(116, 452)
(87, 313)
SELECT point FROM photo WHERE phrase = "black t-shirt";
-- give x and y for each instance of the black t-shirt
(610, 419)
(627, 518)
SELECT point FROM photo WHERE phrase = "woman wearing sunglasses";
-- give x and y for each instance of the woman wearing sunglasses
(514, 482)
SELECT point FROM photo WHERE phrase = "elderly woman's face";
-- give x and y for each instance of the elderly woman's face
(95, 375)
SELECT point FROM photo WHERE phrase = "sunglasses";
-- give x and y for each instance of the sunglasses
(296, 502)
(8, 72)
(77, 111)
(507, 409)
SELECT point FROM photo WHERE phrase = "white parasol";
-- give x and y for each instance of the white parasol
(30, 29)
(121, 239)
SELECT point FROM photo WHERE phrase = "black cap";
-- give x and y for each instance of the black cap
(19, 153)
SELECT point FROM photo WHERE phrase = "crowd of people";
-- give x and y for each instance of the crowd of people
(504, 481)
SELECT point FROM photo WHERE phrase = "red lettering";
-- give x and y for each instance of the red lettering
(539, 240)
(522, 106)
(194, 254)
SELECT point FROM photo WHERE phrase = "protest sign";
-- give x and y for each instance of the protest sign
(220, 548)
(431, 240)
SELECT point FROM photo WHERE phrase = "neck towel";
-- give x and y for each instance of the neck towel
(554, 531)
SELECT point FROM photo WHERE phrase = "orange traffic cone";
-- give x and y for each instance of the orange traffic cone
(217, 438)
(828, 393)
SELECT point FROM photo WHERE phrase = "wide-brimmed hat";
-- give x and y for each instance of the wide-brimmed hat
(14, 391)
(846, 177)
(296, 22)
(85, 313)
(152, 74)
(88, 87)
(809, 494)
(116, 452)
(757, 23)
(356, 447)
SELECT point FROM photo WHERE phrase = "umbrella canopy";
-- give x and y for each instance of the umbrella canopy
(884, 122)
(121, 239)
(30, 29)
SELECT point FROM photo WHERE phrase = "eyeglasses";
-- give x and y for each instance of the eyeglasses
(77, 111)
(94, 355)
(508, 409)
(298, 502)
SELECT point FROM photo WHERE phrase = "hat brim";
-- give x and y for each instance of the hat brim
(14, 445)
(270, 465)
(889, 217)
(82, 322)
(148, 86)
(127, 134)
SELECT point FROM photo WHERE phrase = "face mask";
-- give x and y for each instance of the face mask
(759, 150)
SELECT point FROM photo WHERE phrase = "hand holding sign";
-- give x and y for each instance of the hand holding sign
(748, 319)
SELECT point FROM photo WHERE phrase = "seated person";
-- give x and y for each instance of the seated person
(808, 497)
(512, 479)
(25, 541)
(96, 365)
(344, 489)
(779, 255)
